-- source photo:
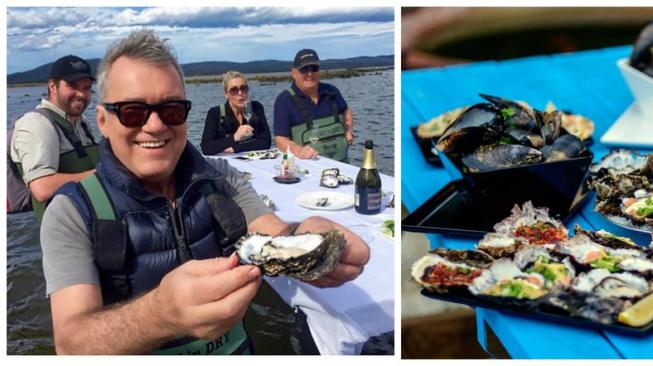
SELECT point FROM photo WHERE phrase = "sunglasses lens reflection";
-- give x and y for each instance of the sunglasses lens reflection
(172, 113)
(243, 90)
(135, 115)
(311, 68)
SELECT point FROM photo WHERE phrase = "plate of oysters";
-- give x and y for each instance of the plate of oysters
(623, 182)
(323, 200)
(260, 155)
(532, 266)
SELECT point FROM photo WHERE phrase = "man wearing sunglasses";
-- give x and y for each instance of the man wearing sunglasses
(310, 117)
(138, 257)
(53, 145)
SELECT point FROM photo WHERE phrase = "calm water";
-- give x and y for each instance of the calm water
(274, 327)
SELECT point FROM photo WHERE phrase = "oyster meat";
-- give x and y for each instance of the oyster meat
(504, 279)
(499, 245)
(535, 259)
(602, 283)
(305, 256)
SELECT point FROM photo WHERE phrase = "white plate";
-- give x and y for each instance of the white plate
(632, 129)
(337, 200)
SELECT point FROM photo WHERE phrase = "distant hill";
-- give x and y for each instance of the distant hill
(41, 73)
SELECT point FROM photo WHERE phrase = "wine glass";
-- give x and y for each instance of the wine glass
(247, 111)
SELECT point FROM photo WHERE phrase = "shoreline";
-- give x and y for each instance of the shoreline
(266, 78)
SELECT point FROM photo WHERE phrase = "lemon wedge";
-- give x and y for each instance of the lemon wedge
(639, 314)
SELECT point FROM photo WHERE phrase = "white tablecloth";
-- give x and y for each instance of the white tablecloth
(340, 319)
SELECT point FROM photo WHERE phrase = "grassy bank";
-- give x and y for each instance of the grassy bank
(264, 78)
(285, 77)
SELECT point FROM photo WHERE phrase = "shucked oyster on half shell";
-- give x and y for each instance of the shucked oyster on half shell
(499, 245)
(305, 256)
(503, 279)
(533, 225)
(444, 270)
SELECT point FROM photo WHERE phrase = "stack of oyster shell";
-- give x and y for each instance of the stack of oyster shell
(531, 262)
(623, 181)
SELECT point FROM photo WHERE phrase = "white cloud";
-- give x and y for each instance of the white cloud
(198, 34)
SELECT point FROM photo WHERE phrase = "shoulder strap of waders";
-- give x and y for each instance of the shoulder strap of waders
(229, 217)
(65, 128)
(331, 99)
(302, 106)
(223, 113)
(88, 133)
(109, 238)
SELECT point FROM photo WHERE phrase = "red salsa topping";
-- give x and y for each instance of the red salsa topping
(541, 233)
(442, 274)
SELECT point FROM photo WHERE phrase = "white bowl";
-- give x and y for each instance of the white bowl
(640, 84)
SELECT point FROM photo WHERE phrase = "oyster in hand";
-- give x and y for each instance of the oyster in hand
(306, 256)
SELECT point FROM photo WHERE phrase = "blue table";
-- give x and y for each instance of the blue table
(587, 83)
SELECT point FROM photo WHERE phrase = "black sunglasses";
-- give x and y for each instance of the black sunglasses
(311, 68)
(234, 90)
(136, 114)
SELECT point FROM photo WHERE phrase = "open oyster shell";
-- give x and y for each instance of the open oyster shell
(533, 225)
(499, 245)
(306, 256)
(503, 279)
(583, 304)
(444, 270)
(602, 283)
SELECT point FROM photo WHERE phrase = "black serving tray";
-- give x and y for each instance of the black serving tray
(427, 147)
(455, 211)
(536, 313)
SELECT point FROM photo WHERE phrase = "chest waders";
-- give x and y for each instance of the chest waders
(80, 159)
(223, 115)
(326, 134)
(109, 251)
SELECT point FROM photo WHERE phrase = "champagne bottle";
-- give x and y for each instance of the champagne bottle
(368, 184)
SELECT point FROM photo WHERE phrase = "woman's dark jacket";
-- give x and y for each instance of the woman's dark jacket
(219, 134)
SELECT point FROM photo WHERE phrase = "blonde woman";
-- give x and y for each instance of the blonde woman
(227, 130)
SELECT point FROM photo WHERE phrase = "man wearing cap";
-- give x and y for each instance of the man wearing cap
(52, 144)
(311, 118)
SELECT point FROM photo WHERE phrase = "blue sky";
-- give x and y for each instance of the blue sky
(36, 36)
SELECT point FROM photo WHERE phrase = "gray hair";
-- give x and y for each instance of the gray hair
(142, 45)
(230, 75)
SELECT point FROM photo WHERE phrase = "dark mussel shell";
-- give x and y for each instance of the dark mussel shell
(526, 138)
(550, 124)
(479, 124)
(642, 56)
(493, 157)
(515, 115)
(563, 148)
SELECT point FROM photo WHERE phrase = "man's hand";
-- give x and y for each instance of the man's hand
(205, 298)
(307, 152)
(349, 136)
(243, 131)
(352, 260)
